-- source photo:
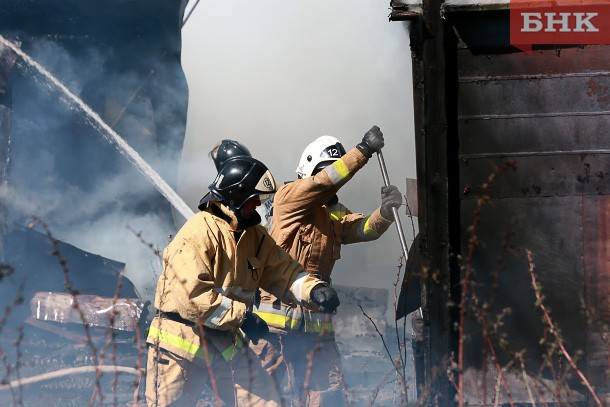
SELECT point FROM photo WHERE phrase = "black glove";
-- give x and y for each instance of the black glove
(325, 297)
(372, 142)
(254, 326)
(390, 198)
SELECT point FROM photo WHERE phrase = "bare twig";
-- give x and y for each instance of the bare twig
(310, 357)
(384, 344)
(403, 358)
(74, 293)
(553, 329)
(110, 338)
(466, 281)
(500, 380)
(139, 368)
(526, 380)
(5, 271)
(18, 361)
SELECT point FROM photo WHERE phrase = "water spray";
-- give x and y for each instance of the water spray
(110, 135)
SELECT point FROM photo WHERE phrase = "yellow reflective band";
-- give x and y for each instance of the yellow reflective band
(341, 168)
(232, 350)
(367, 229)
(177, 341)
(189, 347)
(338, 172)
(337, 215)
(278, 320)
(318, 326)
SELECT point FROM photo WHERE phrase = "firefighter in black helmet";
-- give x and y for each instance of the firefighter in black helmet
(226, 149)
(211, 271)
(239, 179)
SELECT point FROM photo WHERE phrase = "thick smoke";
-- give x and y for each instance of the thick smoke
(64, 171)
(277, 75)
(275, 78)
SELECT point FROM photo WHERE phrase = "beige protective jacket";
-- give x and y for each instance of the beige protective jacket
(312, 233)
(210, 277)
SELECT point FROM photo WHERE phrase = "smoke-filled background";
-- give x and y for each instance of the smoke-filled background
(276, 75)
(122, 60)
(272, 75)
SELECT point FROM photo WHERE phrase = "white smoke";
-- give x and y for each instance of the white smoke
(276, 75)
(272, 75)
(64, 171)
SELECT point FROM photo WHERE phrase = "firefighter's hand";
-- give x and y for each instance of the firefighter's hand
(390, 198)
(254, 327)
(372, 142)
(325, 298)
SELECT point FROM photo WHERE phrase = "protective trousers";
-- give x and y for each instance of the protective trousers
(311, 359)
(174, 381)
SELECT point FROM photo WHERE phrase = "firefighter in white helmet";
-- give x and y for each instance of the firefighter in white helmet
(311, 225)
(211, 271)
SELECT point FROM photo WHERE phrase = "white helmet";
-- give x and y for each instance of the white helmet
(324, 149)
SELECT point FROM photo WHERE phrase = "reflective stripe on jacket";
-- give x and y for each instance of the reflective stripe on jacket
(208, 276)
(168, 340)
(287, 317)
(312, 232)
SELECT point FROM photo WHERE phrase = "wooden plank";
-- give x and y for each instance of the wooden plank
(542, 63)
(536, 133)
(596, 227)
(526, 97)
(429, 83)
(537, 176)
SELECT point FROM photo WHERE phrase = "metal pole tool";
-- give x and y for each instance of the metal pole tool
(386, 182)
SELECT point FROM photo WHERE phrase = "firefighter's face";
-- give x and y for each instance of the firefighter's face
(249, 207)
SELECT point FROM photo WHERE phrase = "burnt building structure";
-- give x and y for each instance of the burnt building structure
(513, 187)
(122, 58)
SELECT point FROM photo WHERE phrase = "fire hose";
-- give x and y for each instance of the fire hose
(72, 371)
(386, 182)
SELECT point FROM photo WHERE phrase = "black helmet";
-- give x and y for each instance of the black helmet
(227, 149)
(239, 179)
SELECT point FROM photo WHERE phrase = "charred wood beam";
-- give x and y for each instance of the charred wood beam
(403, 14)
(432, 45)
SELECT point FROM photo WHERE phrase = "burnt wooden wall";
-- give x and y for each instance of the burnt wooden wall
(537, 124)
(547, 114)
